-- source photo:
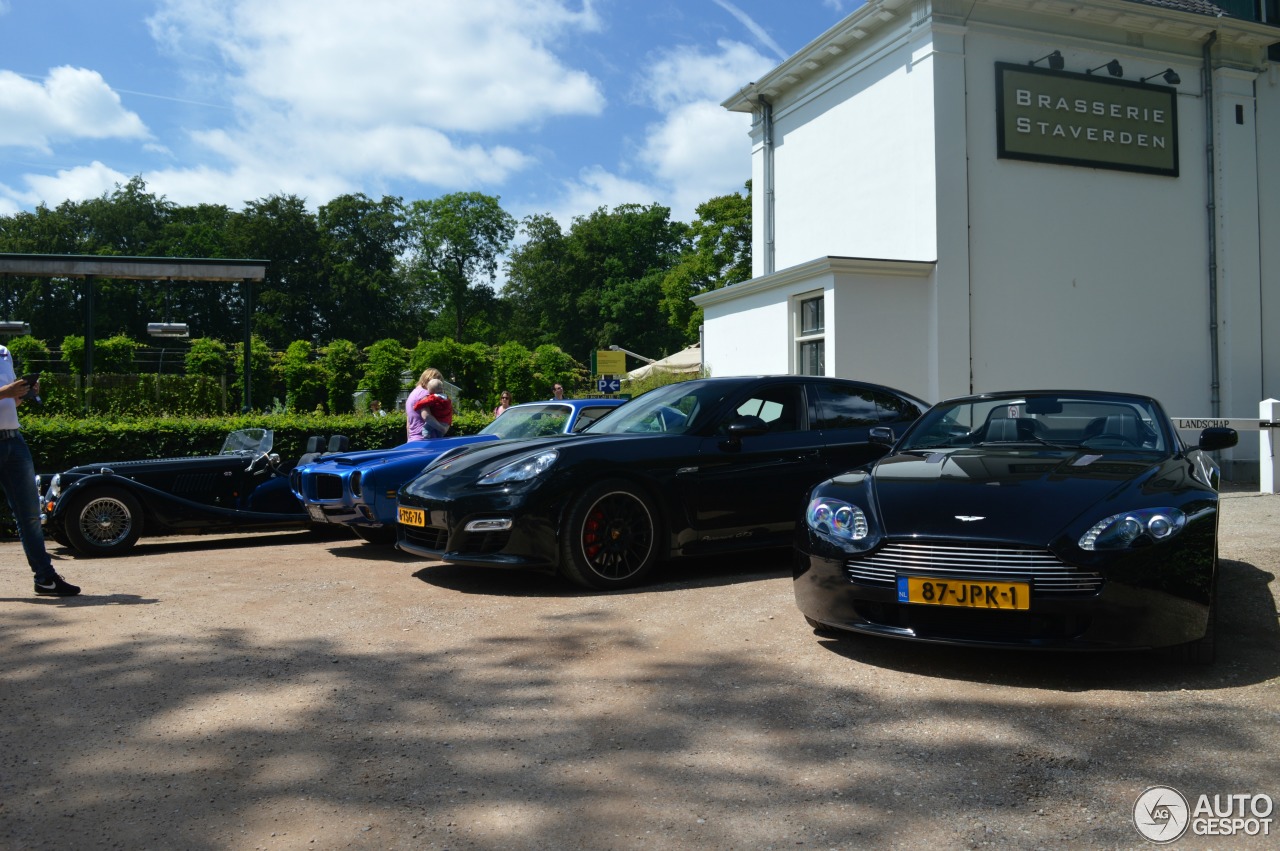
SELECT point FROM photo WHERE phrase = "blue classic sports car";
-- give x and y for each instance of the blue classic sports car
(358, 489)
(1044, 519)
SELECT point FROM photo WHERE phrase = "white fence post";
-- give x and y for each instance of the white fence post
(1266, 446)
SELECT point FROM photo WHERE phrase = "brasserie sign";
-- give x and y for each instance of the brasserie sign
(1085, 120)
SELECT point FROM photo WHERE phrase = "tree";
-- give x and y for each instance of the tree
(599, 283)
(302, 378)
(341, 361)
(513, 370)
(280, 230)
(455, 242)
(207, 356)
(717, 254)
(262, 382)
(385, 362)
(363, 294)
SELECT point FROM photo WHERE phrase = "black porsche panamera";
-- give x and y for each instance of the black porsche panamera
(703, 466)
(1045, 519)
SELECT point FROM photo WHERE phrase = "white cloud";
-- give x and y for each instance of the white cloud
(699, 151)
(330, 93)
(71, 103)
(74, 184)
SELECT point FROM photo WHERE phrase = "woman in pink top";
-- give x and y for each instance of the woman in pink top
(413, 422)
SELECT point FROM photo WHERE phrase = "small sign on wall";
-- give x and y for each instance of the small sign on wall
(1065, 118)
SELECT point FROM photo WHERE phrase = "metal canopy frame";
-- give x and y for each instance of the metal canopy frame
(89, 268)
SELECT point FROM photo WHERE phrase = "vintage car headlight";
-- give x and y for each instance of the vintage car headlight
(522, 470)
(840, 520)
(1120, 531)
(355, 483)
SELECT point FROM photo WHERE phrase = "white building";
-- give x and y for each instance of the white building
(935, 212)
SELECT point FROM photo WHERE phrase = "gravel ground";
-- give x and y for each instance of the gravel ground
(284, 691)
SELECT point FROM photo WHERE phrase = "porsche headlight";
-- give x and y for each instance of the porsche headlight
(1120, 531)
(837, 519)
(522, 470)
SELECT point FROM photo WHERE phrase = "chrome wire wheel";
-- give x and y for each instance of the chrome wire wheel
(105, 521)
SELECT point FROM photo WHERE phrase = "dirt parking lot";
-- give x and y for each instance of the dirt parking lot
(284, 692)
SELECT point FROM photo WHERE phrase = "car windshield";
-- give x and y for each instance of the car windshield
(1089, 422)
(253, 441)
(529, 421)
(674, 409)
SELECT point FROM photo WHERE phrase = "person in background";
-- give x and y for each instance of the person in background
(504, 403)
(375, 408)
(18, 478)
(557, 392)
(435, 410)
(413, 424)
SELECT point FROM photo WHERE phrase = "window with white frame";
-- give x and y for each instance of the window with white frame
(810, 334)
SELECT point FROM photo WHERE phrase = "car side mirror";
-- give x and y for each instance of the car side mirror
(746, 426)
(1217, 437)
(881, 435)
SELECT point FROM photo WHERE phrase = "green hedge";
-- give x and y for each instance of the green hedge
(59, 442)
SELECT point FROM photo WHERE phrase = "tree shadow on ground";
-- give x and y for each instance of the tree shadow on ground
(574, 737)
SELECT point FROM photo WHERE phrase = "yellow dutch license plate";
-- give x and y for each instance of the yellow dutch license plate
(964, 593)
(413, 516)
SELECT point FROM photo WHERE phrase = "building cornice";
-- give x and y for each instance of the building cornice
(817, 268)
(878, 18)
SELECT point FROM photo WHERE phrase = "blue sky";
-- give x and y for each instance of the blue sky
(556, 106)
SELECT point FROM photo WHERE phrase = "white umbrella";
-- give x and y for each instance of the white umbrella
(683, 361)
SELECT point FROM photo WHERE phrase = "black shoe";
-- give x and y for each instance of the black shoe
(57, 587)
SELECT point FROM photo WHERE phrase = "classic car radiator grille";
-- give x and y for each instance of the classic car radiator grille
(328, 486)
(1047, 575)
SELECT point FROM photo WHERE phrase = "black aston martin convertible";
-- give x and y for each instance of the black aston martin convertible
(102, 509)
(1046, 519)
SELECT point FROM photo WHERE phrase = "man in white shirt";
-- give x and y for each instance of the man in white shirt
(18, 478)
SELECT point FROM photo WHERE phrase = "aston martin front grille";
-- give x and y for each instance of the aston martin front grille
(1046, 573)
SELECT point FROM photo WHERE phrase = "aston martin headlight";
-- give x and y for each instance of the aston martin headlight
(838, 519)
(521, 470)
(1120, 531)
(355, 483)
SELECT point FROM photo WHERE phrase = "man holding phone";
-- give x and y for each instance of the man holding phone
(18, 478)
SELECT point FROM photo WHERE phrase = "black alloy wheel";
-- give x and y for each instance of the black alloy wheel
(610, 538)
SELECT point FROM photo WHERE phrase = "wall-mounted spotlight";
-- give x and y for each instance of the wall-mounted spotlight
(1113, 68)
(1055, 60)
(168, 329)
(15, 328)
(1169, 75)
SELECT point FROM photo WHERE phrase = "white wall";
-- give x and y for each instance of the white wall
(877, 330)
(1081, 277)
(853, 164)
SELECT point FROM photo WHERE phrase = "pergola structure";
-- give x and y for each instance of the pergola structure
(90, 268)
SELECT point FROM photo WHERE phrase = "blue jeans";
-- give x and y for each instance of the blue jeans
(18, 478)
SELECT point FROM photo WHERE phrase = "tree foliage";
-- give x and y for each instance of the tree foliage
(385, 272)
(455, 242)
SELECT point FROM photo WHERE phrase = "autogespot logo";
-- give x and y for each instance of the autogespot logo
(1160, 814)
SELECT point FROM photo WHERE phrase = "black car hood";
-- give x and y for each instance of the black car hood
(158, 465)
(1023, 495)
